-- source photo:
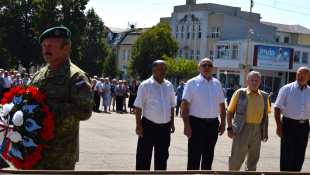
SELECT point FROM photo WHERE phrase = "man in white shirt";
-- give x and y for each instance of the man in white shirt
(97, 93)
(203, 100)
(293, 102)
(7, 82)
(157, 101)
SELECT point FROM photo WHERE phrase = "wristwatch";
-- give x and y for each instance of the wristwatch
(228, 129)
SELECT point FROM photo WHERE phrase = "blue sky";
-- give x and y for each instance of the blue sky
(146, 13)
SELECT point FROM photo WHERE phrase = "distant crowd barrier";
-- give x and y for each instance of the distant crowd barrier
(143, 172)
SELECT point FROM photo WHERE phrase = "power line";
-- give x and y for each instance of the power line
(289, 4)
(282, 9)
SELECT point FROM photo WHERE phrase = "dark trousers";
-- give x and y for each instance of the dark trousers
(157, 136)
(201, 144)
(179, 102)
(293, 144)
(97, 100)
(119, 103)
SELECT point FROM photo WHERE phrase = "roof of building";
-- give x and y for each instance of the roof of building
(289, 28)
(129, 39)
(117, 30)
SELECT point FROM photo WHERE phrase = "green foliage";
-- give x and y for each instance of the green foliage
(181, 68)
(150, 46)
(94, 47)
(110, 65)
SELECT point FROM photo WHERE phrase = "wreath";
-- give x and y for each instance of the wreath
(26, 126)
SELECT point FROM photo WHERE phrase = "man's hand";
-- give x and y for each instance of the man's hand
(188, 131)
(172, 128)
(266, 138)
(139, 131)
(230, 134)
(221, 129)
(279, 131)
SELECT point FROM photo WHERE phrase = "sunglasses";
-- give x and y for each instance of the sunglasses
(205, 65)
(300, 75)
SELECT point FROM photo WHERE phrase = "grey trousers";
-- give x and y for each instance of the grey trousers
(246, 144)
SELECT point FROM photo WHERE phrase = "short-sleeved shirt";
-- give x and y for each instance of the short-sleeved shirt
(99, 85)
(255, 106)
(113, 88)
(156, 100)
(119, 90)
(293, 102)
(180, 90)
(7, 82)
(203, 96)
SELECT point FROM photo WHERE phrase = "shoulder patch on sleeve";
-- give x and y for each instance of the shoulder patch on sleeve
(81, 84)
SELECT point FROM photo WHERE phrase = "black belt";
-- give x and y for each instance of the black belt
(155, 124)
(296, 121)
(205, 119)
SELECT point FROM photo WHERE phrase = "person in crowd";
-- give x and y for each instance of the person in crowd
(138, 81)
(30, 77)
(17, 82)
(157, 101)
(125, 85)
(106, 95)
(2, 73)
(293, 103)
(250, 125)
(93, 85)
(119, 92)
(68, 96)
(26, 78)
(113, 97)
(179, 92)
(7, 82)
(203, 100)
(229, 94)
(95, 77)
(23, 72)
(133, 89)
(13, 77)
(1, 88)
(98, 92)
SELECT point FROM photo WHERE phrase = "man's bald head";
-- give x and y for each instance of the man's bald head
(205, 59)
(155, 63)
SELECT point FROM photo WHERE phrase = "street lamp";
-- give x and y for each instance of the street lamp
(247, 48)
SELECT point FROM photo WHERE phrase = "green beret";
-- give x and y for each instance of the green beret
(55, 32)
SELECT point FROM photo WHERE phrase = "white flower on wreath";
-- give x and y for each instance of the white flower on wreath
(6, 109)
(14, 136)
(18, 119)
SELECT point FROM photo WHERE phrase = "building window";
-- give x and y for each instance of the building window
(277, 39)
(188, 34)
(177, 29)
(235, 52)
(189, 7)
(182, 35)
(199, 35)
(182, 28)
(180, 53)
(192, 54)
(194, 29)
(211, 55)
(223, 52)
(176, 35)
(193, 35)
(186, 55)
(215, 32)
(199, 28)
(117, 50)
(198, 54)
(187, 27)
(296, 56)
(305, 57)
(128, 55)
(286, 39)
(124, 55)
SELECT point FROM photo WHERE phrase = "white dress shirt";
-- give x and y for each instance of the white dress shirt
(203, 96)
(7, 82)
(99, 85)
(293, 102)
(156, 100)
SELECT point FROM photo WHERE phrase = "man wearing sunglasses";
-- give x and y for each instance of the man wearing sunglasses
(293, 102)
(203, 100)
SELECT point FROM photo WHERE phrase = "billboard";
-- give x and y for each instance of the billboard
(274, 57)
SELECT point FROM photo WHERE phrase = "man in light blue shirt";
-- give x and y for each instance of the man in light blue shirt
(179, 97)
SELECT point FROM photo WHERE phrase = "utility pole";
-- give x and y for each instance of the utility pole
(247, 48)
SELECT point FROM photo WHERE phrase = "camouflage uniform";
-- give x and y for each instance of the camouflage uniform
(70, 103)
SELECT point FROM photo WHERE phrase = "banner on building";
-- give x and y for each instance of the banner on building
(271, 56)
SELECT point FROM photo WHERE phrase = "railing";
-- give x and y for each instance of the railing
(143, 172)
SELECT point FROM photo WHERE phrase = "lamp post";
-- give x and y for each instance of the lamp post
(247, 48)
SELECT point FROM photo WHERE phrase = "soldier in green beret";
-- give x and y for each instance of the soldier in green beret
(68, 95)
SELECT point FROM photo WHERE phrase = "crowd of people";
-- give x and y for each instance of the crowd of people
(114, 94)
(12, 79)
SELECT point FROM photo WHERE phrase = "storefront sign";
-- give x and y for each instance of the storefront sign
(275, 57)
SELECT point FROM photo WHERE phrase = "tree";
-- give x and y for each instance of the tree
(151, 46)
(110, 65)
(94, 46)
(181, 68)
